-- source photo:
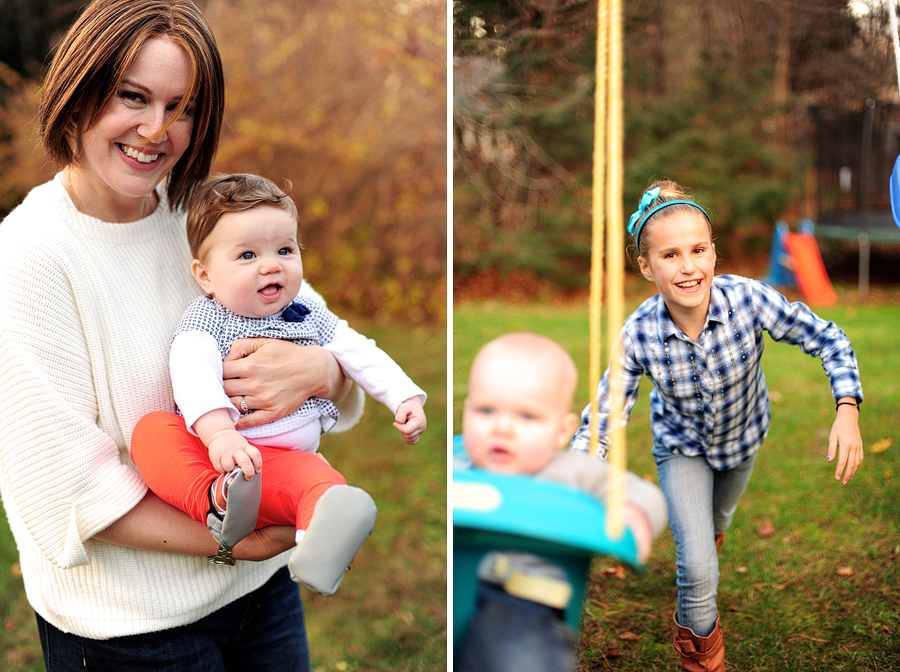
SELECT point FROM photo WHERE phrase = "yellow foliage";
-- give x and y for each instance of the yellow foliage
(347, 100)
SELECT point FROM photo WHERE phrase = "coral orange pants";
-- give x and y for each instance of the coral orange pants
(175, 465)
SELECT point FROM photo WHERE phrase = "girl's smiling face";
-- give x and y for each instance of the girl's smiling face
(680, 258)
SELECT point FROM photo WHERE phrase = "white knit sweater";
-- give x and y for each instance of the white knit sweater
(87, 311)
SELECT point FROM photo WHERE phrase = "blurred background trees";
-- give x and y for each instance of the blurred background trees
(718, 95)
(345, 99)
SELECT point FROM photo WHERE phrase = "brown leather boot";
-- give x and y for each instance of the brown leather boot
(700, 654)
(720, 538)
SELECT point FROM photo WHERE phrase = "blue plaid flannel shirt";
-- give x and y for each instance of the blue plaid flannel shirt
(709, 397)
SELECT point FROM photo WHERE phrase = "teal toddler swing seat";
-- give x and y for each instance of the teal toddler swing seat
(496, 512)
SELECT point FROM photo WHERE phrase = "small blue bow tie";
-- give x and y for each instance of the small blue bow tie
(646, 200)
(295, 312)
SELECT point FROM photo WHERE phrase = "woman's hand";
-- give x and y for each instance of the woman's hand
(845, 437)
(276, 377)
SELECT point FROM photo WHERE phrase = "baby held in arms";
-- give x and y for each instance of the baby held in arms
(243, 232)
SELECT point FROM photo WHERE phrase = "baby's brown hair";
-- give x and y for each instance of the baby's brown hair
(231, 193)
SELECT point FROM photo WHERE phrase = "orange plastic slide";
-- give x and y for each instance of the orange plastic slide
(809, 270)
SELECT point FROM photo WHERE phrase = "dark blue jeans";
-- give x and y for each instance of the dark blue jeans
(262, 631)
(509, 634)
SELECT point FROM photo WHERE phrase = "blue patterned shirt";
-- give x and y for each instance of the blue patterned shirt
(207, 315)
(709, 396)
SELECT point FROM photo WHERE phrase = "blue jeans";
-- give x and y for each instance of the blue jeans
(509, 634)
(262, 631)
(700, 503)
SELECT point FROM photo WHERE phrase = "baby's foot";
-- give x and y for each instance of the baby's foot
(233, 509)
(343, 519)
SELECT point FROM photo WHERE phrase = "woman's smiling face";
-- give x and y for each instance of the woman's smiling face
(680, 258)
(123, 156)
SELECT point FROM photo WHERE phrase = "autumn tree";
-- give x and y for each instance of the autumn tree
(716, 97)
(345, 100)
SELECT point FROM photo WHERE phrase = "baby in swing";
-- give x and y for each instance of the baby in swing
(517, 419)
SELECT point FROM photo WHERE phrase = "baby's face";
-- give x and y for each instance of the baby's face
(514, 418)
(252, 262)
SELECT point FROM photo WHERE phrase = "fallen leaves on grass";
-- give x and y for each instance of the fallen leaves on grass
(618, 572)
(735, 611)
(629, 637)
(802, 636)
(765, 529)
(881, 445)
(775, 586)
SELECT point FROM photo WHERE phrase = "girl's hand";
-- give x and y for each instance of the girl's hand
(846, 442)
(276, 377)
(410, 420)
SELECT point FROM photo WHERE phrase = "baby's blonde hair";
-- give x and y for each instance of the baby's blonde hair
(539, 349)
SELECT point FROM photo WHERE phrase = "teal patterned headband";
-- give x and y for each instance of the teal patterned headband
(641, 216)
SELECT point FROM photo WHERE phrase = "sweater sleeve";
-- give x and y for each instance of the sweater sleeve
(583, 472)
(57, 466)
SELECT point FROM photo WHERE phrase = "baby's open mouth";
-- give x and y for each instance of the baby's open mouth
(270, 290)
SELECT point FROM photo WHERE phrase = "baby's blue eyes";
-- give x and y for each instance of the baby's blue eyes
(284, 251)
(487, 410)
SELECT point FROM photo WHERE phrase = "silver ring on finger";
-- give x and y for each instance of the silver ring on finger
(244, 406)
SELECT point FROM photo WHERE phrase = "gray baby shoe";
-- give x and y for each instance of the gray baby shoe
(343, 519)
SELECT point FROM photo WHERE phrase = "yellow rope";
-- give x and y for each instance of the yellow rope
(597, 217)
(608, 113)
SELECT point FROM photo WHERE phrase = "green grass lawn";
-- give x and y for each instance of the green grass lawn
(820, 593)
(390, 613)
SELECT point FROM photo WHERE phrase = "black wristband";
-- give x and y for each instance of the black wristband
(846, 403)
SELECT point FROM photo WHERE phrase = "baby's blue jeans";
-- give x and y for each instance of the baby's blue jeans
(509, 634)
